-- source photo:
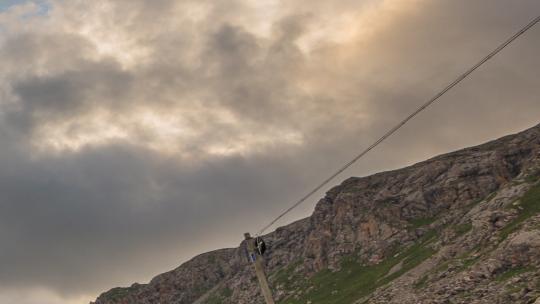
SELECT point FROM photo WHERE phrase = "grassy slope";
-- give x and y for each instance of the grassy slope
(527, 206)
(355, 280)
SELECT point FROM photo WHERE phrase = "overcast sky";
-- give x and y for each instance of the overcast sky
(136, 134)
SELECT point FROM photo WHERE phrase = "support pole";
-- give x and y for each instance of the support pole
(257, 261)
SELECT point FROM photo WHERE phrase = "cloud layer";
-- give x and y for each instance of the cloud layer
(136, 133)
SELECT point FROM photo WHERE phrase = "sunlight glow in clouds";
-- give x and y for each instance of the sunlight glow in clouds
(107, 34)
(166, 133)
(39, 295)
(137, 133)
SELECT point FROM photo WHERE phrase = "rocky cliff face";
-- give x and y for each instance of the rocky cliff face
(459, 228)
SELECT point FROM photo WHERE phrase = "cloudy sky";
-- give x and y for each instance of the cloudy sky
(135, 133)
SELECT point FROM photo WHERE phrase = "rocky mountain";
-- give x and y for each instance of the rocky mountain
(463, 227)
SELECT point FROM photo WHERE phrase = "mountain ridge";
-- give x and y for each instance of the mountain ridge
(375, 231)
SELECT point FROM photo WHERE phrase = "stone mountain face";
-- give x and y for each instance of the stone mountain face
(459, 228)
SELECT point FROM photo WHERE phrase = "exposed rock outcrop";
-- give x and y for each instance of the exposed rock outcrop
(463, 227)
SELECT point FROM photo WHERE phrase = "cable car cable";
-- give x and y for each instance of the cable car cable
(403, 122)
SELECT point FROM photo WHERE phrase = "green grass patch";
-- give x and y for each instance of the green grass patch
(355, 280)
(533, 178)
(421, 222)
(462, 229)
(286, 276)
(442, 267)
(468, 262)
(512, 272)
(220, 296)
(214, 299)
(528, 206)
(226, 292)
(465, 260)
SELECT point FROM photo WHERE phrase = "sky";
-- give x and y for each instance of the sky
(136, 134)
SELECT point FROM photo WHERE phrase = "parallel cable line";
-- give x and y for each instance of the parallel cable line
(403, 122)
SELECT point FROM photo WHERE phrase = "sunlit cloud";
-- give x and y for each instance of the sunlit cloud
(164, 132)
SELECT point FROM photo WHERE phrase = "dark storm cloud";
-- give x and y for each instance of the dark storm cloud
(78, 221)
(49, 98)
(78, 218)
